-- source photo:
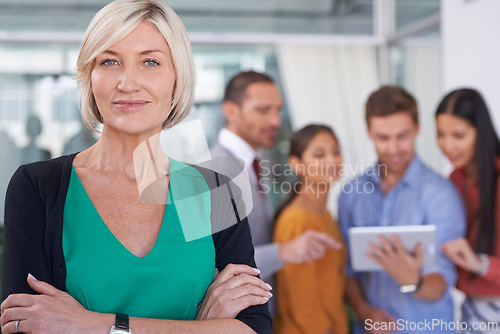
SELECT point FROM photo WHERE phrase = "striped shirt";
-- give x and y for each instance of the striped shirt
(421, 197)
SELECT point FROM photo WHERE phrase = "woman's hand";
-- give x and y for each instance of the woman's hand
(232, 291)
(53, 311)
(462, 254)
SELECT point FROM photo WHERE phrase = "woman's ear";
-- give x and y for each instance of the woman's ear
(296, 165)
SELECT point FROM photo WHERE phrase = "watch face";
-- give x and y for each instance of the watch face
(114, 330)
(408, 288)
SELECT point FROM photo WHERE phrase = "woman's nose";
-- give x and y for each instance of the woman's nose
(447, 145)
(128, 81)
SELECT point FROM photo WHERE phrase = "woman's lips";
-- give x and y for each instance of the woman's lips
(453, 157)
(130, 105)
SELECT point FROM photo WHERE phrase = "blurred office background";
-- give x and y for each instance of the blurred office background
(326, 55)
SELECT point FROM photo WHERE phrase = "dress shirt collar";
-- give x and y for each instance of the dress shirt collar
(237, 146)
(411, 176)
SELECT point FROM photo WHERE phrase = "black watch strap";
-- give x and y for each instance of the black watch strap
(121, 321)
(419, 285)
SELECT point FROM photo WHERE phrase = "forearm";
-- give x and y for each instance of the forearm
(433, 287)
(103, 323)
(141, 325)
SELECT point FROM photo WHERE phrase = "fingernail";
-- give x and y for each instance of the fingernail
(267, 299)
(269, 294)
(256, 270)
(269, 287)
(32, 277)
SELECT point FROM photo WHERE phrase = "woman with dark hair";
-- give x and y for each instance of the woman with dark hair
(466, 136)
(310, 295)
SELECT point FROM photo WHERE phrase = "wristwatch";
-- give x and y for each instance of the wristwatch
(409, 288)
(485, 264)
(121, 325)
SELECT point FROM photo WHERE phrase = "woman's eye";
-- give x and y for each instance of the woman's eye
(151, 63)
(109, 62)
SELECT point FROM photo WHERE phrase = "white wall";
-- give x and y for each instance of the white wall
(471, 48)
(423, 80)
(471, 57)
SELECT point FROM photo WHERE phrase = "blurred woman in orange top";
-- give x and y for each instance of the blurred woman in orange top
(310, 296)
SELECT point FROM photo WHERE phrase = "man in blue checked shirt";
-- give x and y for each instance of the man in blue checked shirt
(400, 190)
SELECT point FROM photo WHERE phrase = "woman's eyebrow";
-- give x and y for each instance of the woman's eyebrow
(145, 52)
(111, 52)
(151, 51)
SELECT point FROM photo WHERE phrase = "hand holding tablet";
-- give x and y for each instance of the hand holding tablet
(375, 247)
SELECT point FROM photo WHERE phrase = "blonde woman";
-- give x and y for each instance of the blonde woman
(118, 238)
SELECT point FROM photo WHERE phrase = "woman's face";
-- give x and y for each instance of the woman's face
(457, 139)
(133, 82)
(321, 161)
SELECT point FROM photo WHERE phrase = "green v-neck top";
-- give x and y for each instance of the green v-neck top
(104, 276)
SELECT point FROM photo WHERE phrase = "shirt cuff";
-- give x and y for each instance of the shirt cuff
(268, 260)
(493, 272)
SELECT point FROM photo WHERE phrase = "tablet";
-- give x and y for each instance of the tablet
(410, 236)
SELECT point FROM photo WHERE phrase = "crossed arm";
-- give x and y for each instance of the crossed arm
(43, 308)
(55, 311)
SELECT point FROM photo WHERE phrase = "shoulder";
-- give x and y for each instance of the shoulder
(227, 204)
(432, 182)
(211, 177)
(218, 150)
(436, 190)
(51, 166)
(363, 184)
(37, 186)
(44, 173)
(293, 221)
(191, 170)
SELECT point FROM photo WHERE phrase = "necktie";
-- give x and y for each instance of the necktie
(256, 169)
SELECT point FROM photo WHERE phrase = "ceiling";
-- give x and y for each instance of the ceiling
(353, 17)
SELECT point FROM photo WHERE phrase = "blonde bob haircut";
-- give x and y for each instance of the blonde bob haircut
(112, 24)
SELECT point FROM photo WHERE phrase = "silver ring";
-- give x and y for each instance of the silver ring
(17, 325)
